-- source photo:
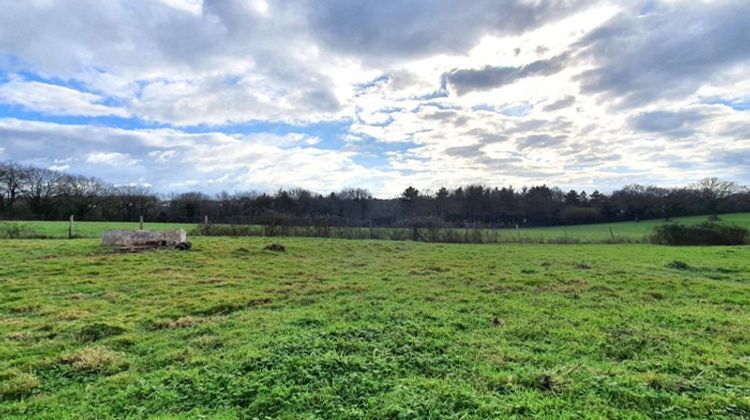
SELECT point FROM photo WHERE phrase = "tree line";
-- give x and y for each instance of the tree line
(32, 193)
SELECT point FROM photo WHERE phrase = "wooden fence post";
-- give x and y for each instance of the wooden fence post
(141, 223)
(70, 227)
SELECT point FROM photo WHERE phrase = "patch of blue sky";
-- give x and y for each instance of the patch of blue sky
(737, 105)
(437, 94)
(520, 109)
(68, 83)
(330, 133)
(371, 83)
(375, 154)
(21, 113)
(648, 7)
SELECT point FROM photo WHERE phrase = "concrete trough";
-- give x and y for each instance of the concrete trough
(144, 239)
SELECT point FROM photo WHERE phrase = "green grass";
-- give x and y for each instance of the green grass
(373, 329)
(59, 229)
(629, 230)
(623, 231)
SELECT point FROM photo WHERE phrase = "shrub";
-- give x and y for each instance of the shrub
(701, 234)
(17, 231)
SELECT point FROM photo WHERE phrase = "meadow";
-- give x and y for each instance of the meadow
(592, 233)
(373, 329)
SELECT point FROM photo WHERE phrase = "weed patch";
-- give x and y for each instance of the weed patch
(93, 359)
(228, 308)
(98, 331)
(275, 248)
(173, 324)
(16, 384)
(678, 265)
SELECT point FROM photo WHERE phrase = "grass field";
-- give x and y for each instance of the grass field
(59, 229)
(373, 329)
(629, 231)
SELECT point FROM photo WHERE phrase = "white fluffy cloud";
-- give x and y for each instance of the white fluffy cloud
(55, 100)
(175, 160)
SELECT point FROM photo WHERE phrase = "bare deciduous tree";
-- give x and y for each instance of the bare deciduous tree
(83, 193)
(714, 191)
(39, 187)
(11, 174)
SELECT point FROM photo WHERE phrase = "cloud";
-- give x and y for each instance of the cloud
(490, 77)
(55, 100)
(539, 141)
(218, 100)
(672, 123)
(377, 31)
(561, 103)
(226, 61)
(468, 151)
(110, 159)
(175, 160)
(442, 93)
(668, 53)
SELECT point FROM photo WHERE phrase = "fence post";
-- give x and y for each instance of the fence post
(70, 227)
(141, 223)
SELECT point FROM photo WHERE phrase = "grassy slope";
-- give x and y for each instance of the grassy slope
(595, 232)
(633, 230)
(373, 329)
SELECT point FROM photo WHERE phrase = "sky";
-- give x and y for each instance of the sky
(238, 95)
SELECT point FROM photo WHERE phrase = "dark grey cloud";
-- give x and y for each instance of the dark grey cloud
(448, 116)
(489, 77)
(380, 30)
(558, 125)
(486, 136)
(671, 123)
(734, 158)
(560, 104)
(540, 141)
(467, 151)
(667, 53)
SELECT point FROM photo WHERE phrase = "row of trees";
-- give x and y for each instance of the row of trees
(28, 192)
